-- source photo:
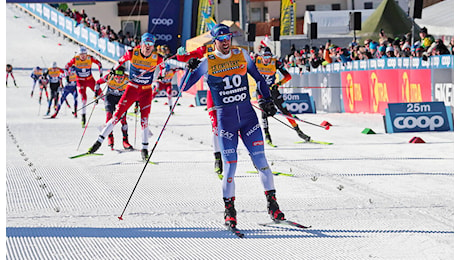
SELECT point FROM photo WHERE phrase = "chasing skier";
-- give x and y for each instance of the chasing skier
(116, 82)
(69, 88)
(83, 63)
(267, 66)
(142, 71)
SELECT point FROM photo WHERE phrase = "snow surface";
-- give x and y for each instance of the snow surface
(366, 196)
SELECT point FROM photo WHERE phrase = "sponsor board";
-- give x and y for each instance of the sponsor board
(418, 117)
(201, 97)
(299, 103)
(174, 92)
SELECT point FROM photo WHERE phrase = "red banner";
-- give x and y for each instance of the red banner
(370, 91)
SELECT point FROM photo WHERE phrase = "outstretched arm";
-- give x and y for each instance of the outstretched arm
(195, 74)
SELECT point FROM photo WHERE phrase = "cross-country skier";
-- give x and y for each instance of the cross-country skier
(69, 88)
(43, 82)
(164, 81)
(142, 71)
(116, 84)
(226, 71)
(9, 71)
(54, 75)
(35, 75)
(83, 63)
(267, 66)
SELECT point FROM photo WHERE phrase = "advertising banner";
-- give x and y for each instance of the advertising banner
(201, 98)
(418, 117)
(288, 17)
(299, 103)
(443, 86)
(370, 91)
(164, 22)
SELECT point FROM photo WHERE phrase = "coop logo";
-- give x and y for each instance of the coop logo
(423, 122)
(164, 37)
(297, 108)
(162, 21)
(235, 98)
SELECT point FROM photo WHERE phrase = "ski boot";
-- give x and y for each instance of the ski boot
(218, 163)
(75, 112)
(83, 120)
(268, 139)
(301, 134)
(95, 147)
(230, 212)
(40, 100)
(110, 141)
(145, 155)
(48, 112)
(170, 110)
(126, 144)
(15, 84)
(31, 94)
(54, 115)
(272, 206)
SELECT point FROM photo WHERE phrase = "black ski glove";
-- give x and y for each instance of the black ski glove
(267, 106)
(193, 63)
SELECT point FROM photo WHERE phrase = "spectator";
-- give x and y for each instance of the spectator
(451, 46)
(425, 38)
(390, 52)
(315, 60)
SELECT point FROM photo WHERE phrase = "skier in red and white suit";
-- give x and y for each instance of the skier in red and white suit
(83, 63)
(142, 71)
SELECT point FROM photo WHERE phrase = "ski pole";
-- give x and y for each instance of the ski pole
(298, 119)
(135, 126)
(95, 100)
(156, 143)
(87, 123)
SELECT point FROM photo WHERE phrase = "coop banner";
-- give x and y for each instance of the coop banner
(164, 22)
(418, 117)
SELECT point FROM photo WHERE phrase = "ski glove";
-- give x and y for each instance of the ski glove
(267, 106)
(193, 63)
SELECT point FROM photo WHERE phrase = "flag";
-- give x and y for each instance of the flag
(206, 12)
(288, 17)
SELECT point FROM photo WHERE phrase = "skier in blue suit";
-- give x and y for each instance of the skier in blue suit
(226, 73)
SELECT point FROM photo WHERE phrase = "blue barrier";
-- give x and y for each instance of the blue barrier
(77, 32)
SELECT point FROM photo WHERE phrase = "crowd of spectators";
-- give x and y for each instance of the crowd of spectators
(105, 31)
(385, 47)
(305, 58)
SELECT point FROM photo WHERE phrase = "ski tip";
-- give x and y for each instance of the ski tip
(327, 127)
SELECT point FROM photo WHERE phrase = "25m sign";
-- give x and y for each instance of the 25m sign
(418, 117)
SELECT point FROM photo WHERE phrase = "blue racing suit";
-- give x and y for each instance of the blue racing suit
(227, 79)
